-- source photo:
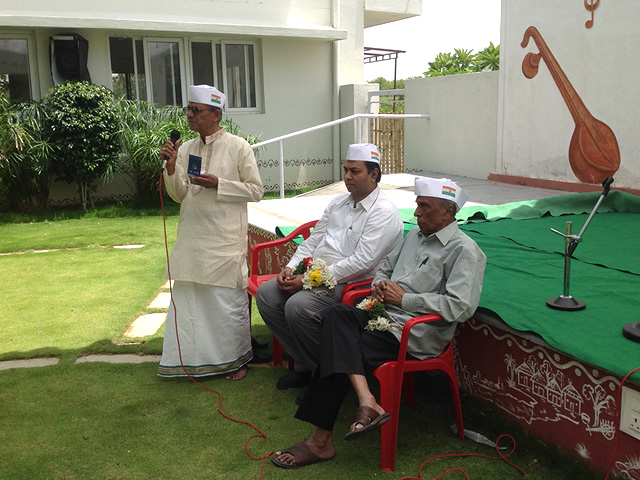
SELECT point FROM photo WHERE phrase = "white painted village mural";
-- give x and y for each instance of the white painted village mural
(537, 386)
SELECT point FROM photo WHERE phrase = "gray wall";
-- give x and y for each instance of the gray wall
(460, 138)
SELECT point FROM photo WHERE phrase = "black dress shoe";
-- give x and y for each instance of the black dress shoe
(260, 358)
(255, 344)
(300, 396)
(294, 380)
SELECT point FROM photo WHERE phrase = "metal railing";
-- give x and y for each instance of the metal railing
(384, 93)
(358, 117)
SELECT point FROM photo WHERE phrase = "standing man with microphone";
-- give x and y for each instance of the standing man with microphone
(213, 177)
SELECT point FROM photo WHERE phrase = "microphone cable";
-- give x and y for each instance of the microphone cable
(259, 433)
(456, 469)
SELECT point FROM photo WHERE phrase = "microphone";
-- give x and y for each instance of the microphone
(174, 137)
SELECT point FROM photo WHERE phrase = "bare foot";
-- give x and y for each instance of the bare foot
(324, 452)
(358, 425)
(238, 374)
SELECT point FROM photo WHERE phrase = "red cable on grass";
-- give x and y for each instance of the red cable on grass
(175, 319)
(499, 457)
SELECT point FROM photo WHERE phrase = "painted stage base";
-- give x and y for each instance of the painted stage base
(550, 394)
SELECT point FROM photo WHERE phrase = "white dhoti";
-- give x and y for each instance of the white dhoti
(214, 335)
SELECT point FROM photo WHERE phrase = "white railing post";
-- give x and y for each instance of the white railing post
(359, 130)
(281, 163)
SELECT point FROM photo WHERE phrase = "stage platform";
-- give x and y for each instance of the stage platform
(556, 373)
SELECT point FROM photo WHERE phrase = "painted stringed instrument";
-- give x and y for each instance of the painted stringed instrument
(593, 152)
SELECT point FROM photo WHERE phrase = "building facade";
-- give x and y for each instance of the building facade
(280, 63)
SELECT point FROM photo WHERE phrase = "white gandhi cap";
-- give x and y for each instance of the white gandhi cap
(441, 188)
(208, 95)
(363, 152)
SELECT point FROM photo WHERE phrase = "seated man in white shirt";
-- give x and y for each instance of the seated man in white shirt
(356, 231)
(437, 268)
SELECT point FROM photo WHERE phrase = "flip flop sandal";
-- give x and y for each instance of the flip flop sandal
(369, 419)
(302, 455)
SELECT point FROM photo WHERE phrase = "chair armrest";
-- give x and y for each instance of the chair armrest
(406, 330)
(355, 291)
(304, 230)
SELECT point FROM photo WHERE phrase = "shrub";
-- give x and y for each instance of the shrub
(83, 128)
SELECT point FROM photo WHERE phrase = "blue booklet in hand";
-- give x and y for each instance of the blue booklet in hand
(194, 166)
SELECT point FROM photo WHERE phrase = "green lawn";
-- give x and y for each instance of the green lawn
(121, 421)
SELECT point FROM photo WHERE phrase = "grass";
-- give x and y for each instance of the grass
(114, 421)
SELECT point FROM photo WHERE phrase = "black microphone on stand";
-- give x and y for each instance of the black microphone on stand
(174, 137)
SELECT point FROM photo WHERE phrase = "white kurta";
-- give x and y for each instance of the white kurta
(208, 261)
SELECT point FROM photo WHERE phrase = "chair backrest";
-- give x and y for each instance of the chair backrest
(303, 230)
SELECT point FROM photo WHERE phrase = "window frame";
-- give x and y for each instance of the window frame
(257, 86)
(32, 62)
(224, 82)
(134, 40)
(185, 80)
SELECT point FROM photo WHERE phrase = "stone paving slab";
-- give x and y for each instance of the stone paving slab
(162, 300)
(29, 363)
(145, 325)
(118, 358)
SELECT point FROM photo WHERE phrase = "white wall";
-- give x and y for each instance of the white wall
(535, 125)
(460, 136)
(298, 92)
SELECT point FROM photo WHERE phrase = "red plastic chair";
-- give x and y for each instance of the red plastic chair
(350, 292)
(256, 280)
(398, 377)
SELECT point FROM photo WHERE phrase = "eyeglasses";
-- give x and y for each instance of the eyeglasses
(195, 110)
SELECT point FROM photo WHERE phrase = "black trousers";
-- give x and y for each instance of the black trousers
(346, 347)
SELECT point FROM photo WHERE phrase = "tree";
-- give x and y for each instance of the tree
(465, 61)
(386, 105)
(83, 128)
(489, 58)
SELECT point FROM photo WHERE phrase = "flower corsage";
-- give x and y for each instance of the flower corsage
(379, 319)
(315, 273)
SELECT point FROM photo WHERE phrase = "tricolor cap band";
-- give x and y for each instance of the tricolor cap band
(207, 95)
(441, 188)
(363, 152)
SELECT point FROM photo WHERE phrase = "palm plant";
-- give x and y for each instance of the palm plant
(25, 177)
(145, 127)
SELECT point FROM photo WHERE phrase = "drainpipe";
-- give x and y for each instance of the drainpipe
(335, 48)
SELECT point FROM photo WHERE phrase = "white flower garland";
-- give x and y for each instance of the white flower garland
(317, 274)
(378, 317)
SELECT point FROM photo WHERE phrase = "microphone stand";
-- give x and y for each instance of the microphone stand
(566, 301)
